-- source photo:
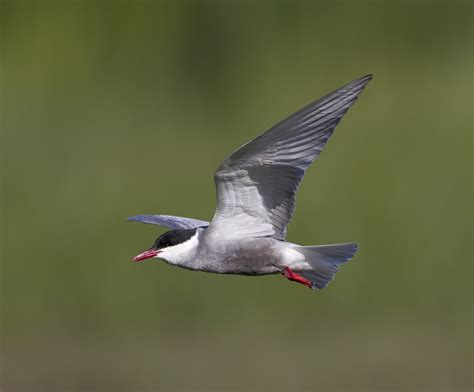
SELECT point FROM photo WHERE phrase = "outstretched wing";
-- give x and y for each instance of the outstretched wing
(257, 184)
(170, 221)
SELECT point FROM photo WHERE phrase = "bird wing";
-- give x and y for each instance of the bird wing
(257, 185)
(170, 221)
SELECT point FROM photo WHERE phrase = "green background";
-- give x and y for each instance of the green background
(111, 109)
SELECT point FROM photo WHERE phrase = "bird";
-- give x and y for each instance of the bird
(256, 191)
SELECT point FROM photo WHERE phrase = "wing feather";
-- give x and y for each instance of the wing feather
(257, 185)
(170, 221)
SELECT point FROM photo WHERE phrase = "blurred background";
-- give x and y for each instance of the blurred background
(111, 109)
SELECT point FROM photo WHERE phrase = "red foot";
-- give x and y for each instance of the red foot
(291, 275)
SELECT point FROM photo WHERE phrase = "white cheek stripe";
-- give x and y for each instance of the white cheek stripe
(181, 253)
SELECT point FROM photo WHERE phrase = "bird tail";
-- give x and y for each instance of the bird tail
(324, 261)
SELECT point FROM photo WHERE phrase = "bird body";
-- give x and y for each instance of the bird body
(202, 252)
(256, 192)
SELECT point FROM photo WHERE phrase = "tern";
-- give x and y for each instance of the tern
(256, 191)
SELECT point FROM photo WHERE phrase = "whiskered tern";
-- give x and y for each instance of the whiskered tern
(256, 191)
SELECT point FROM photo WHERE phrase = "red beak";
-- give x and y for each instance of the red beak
(148, 254)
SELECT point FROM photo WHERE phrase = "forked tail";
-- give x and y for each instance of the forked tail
(324, 260)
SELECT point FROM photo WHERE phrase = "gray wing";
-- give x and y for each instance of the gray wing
(170, 221)
(257, 184)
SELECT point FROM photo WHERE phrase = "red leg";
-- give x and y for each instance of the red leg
(291, 275)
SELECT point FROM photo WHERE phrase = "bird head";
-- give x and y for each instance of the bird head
(167, 245)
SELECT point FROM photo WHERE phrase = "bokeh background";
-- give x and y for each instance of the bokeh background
(110, 109)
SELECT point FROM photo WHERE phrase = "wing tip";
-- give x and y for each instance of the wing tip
(363, 80)
(140, 218)
(353, 89)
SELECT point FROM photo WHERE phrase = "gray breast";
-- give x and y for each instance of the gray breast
(254, 256)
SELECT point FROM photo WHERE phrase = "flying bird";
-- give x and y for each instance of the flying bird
(256, 191)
